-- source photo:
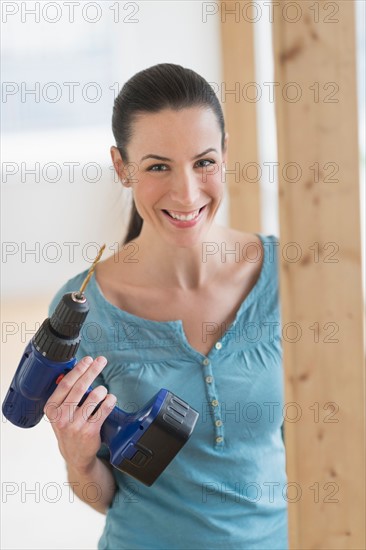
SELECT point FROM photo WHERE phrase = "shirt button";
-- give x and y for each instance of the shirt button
(208, 379)
(214, 402)
(218, 345)
(206, 361)
(218, 423)
(219, 439)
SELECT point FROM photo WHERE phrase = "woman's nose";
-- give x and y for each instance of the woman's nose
(185, 189)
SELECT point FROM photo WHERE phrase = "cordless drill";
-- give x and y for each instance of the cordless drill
(141, 444)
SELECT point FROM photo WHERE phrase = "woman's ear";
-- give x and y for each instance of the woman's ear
(119, 166)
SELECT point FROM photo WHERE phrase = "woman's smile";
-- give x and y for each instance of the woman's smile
(184, 219)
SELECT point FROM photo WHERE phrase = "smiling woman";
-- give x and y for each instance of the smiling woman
(165, 87)
(200, 328)
(186, 190)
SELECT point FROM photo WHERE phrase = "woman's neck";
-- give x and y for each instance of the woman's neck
(172, 266)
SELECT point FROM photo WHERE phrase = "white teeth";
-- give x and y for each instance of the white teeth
(182, 217)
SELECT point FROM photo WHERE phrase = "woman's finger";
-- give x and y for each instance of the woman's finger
(106, 406)
(87, 410)
(82, 384)
(67, 383)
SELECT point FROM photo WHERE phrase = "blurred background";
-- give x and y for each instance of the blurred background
(62, 66)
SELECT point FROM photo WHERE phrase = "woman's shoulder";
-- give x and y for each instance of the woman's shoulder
(250, 257)
(245, 247)
(231, 234)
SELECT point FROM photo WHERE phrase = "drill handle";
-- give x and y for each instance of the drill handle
(33, 383)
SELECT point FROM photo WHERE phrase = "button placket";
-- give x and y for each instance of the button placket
(214, 402)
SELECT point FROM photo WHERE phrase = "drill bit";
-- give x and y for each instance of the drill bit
(90, 272)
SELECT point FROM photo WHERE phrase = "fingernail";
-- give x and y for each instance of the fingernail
(101, 360)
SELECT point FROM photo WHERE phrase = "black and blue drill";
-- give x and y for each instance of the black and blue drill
(141, 444)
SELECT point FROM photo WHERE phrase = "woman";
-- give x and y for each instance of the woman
(190, 306)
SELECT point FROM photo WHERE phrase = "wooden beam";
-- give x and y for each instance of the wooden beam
(237, 94)
(321, 290)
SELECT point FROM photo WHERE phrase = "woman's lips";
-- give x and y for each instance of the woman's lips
(185, 223)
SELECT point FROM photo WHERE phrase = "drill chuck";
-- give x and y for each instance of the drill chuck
(58, 337)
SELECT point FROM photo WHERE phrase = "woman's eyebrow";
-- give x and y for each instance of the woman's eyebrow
(158, 157)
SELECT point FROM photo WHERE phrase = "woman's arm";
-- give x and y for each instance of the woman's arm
(78, 432)
(94, 485)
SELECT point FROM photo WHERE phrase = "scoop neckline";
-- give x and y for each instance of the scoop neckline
(178, 323)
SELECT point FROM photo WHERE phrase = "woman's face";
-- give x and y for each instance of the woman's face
(176, 172)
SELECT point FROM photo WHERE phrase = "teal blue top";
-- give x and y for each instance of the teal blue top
(226, 488)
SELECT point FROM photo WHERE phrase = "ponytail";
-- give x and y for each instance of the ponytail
(134, 225)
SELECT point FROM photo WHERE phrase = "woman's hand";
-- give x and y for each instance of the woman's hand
(76, 428)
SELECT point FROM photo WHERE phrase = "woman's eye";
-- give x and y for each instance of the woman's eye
(151, 169)
(206, 160)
